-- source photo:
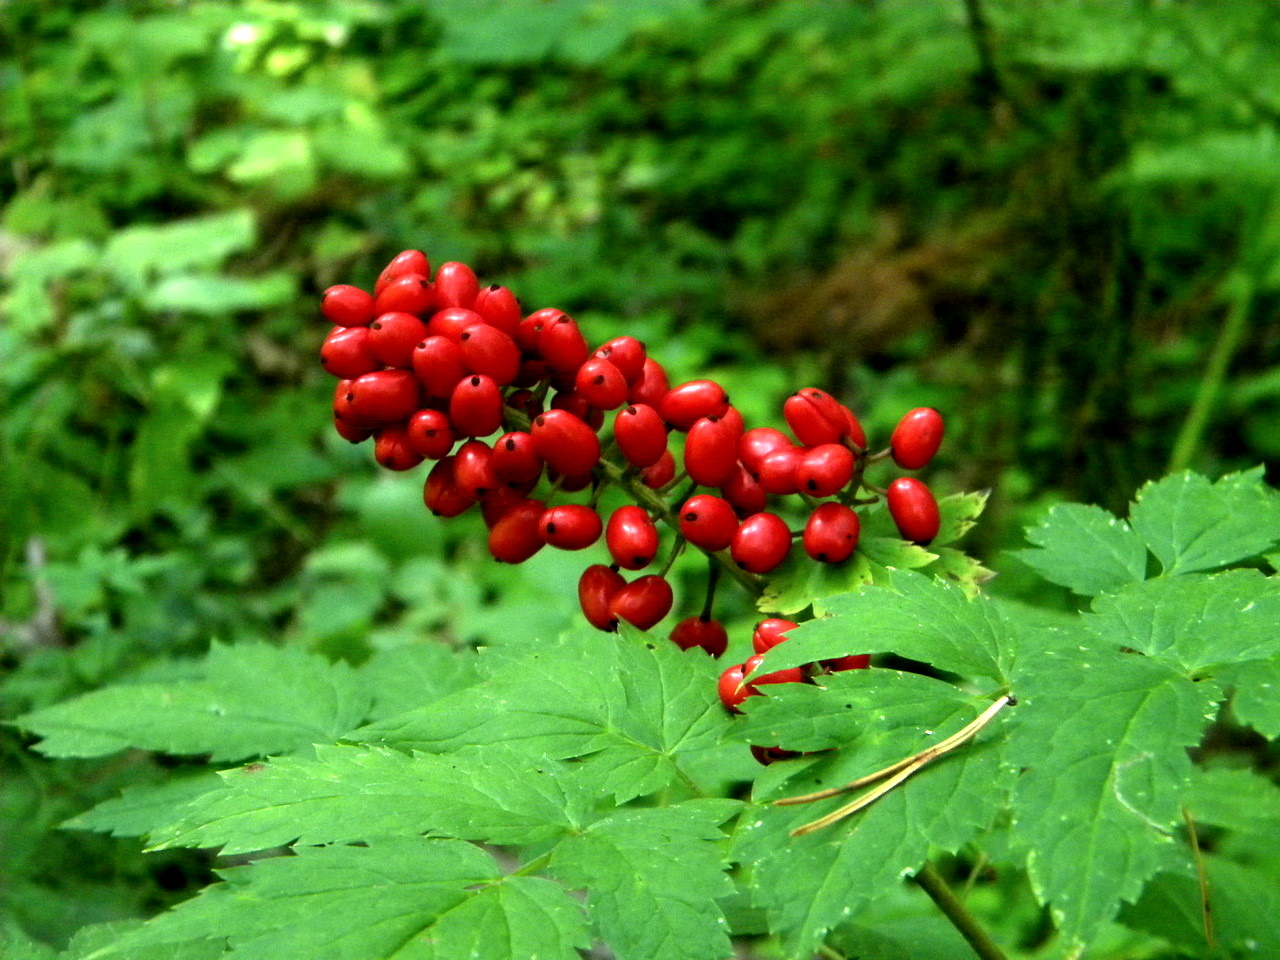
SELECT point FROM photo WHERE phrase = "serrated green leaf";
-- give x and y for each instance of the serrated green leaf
(404, 678)
(894, 553)
(140, 809)
(800, 581)
(1085, 549)
(958, 512)
(1254, 698)
(350, 793)
(634, 703)
(957, 567)
(911, 615)
(812, 883)
(341, 903)
(253, 700)
(652, 878)
(1100, 741)
(1239, 800)
(844, 707)
(1194, 622)
(1191, 524)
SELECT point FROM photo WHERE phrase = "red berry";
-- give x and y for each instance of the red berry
(514, 458)
(777, 471)
(475, 406)
(529, 333)
(759, 442)
(500, 307)
(565, 442)
(347, 306)
(410, 293)
(642, 602)
(711, 450)
(381, 397)
(393, 336)
(473, 471)
(824, 470)
(732, 689)
(627, 354)
(562, 345)
(702, 632)
(392, 449)
(441, 493)
(456, 285)
(488, 350)
(346, 353)
(853, 429)
(515, 537)
(855, 661)
(789, 675)
(596, 588)
(569, 483)
(430, 434)
(349, 432)
(632, 538)
(576, 403)
(453, 322)
(601, 384)
(744, 492)
(570, 526)
(831, 533)
(652, 385)
(661, 473)
(641, 434)
(437, 363)
(914, 510)
(769, 633)
(815, 417)
(407, 261)
(761, 543)
(685, 405)
(916, 438)
(708, 522)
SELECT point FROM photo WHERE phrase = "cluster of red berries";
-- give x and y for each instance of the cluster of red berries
(434, 368)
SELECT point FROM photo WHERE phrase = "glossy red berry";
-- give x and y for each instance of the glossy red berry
(516, 537)
(453, 322)
(708, 522)
(441, 492)
(570, 526)
(391, 448)
(652, 385)
(346, 353)
(916, 438)
(393, 337)
(473, 471)
(643, 602)
(562, 345)
(853, 429)
(381, 397)
(855, 661)
(456, 285)
(347, 306)
(704, 632)
(777, 470)
(815, 417)
(410, 293)
(641, 434)
(632, 538)
(405, 262)
(430, 434)
(744, 493)
(685, 405)
(529, 333)
(732, 689)
(914, 510)
(758, 442)
(350, 432)
(596, 589)
(475, 406)
(831, 533)
(514, 458)
(437, 363)
(824, 470)
(601, 384)
(761, 543)
(499, 306)
(577, 404)
(769, 633)
(711, 450)
(627, 354)
(488, 350)
(661, 473)
(789, 675)
(565, 442)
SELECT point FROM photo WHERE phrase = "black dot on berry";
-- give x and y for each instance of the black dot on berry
(475, 381)
(493, 287)
(511, 445)
(350, 397)
(422, 345)
(691, 516)
(465, 336)
(822, 558)
(375, 326)
(551, 528)
(598, 380)
(812, 485)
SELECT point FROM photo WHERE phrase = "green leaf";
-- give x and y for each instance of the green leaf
(350, 793)
(958, 512)
(1195, 622)
(913, 616)
(652, 878)
(959, 568)
(800, 581)
(140, 809)
(404, 678)
(815, 882)
(1241, 801)
(636, 704)
(252, 701)
(135, 253)
(1101, 744)
(1085, 549)
(1254, 701)
(1191, 524)
(340, 902)
(212, 294)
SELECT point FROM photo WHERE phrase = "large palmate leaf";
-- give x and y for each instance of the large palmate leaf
(1085, 549)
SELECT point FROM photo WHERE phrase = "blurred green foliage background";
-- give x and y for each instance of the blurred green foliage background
(1057, 223)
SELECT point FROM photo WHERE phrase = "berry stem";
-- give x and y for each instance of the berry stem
(954, 910)
(713, 578)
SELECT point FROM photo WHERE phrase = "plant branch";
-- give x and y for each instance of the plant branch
(931, 882)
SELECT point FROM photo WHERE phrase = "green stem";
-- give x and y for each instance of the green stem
(1229, 336)
(932, 883)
